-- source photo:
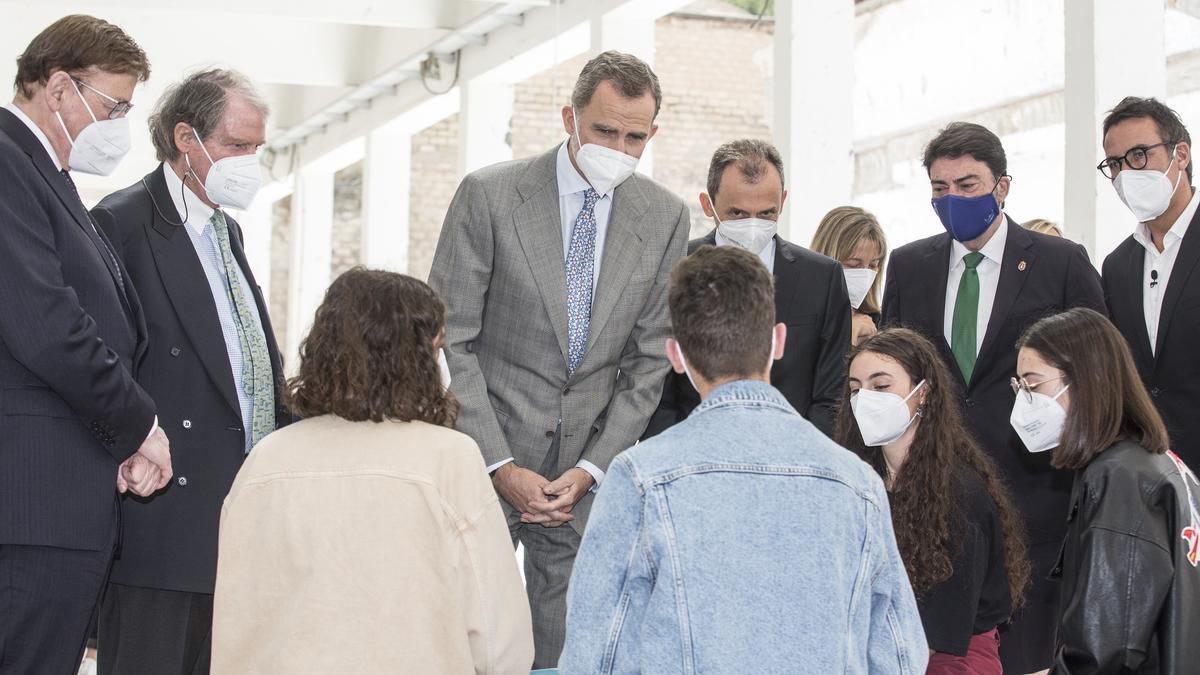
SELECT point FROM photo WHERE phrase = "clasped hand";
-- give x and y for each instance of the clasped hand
(149, 469)
(541, 501)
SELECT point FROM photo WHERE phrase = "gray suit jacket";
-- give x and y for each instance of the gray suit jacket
(499, 268)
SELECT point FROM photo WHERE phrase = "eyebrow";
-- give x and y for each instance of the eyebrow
(1025, 376)
(880, 374)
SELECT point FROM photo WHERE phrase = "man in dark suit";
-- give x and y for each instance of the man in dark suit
(74, 425)
(1152, 280)
(745, 196)
(210, 333)
(973, 290)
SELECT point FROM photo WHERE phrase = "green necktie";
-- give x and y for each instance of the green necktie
(257, 377)
(966, 314)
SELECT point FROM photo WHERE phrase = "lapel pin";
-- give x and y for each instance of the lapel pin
(1021, 266)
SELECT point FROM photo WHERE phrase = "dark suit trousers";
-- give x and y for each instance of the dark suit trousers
(47, 599)
(152, 631)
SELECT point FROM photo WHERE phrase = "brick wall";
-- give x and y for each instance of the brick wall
(281, 262)
(434, 179)
(347, 220)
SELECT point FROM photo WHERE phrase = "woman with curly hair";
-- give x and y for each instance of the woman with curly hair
(956, 527)
(367, 538)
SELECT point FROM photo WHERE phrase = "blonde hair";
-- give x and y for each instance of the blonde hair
(1044, 226)
(840, 232)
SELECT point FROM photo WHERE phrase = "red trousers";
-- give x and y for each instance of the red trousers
(982, 658)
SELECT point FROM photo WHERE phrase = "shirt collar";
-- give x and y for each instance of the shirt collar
(570, 180)
(1141, 233)
(744, 392)
(993, 250)
(185, 201)
(37, 132)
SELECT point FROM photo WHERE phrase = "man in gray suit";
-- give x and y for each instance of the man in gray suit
(554, 270)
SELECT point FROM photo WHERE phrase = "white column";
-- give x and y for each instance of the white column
(629, 28)
(813, 109)
(484, 121)
(257, 223)
(387, 187)
(312, 229)
(1100, 71)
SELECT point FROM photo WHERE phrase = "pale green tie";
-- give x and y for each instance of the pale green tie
(257, 376)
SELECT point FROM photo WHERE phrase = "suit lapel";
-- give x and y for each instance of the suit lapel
(1015, 267)
(786, 283)
(187, 287)
(23, 137)
(1185, 262)
(937, 260)
(1134, 265)
(539, 228)
(622, 251)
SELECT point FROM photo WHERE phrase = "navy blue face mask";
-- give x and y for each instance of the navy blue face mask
(967, 218)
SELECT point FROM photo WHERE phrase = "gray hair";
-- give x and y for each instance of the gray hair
(751, 157)
(629, 74)
(200, 101)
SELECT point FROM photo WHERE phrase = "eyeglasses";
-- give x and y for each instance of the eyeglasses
(1135, 159)
(119, 108)
(1021, 386)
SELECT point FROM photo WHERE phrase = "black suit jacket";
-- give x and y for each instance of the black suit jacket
(70, 339)
(1040, 276)
(170, 540)
(811, 299)
(1172, 371)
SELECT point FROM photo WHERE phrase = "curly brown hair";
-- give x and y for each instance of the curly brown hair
(370, 353)
(923, 492)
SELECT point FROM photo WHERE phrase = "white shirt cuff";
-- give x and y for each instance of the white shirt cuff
(597, 474)
(153, 428)
(499, 464)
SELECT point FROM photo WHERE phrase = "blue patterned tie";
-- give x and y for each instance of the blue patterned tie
(581, 257)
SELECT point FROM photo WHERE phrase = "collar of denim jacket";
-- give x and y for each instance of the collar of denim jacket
(744, 393)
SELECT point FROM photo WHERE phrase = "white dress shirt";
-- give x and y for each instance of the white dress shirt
(989, 280)
(1161, 263)
(45, 141)
(204, 240)
(767, 255)
(571, 188)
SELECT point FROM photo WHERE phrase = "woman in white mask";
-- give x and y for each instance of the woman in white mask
(1130, 583)
(853, 237)
(956, 527)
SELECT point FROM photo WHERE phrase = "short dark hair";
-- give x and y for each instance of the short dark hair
(722, 303)
(369, 355)
(751, 157)
(1108, 400)
(199, 100)
(629, 74)
(1170, 125)
(75, 43)
(966, 138)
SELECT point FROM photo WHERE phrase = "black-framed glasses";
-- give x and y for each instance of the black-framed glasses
(1022, 386)
(118, 109)
(1135, 159)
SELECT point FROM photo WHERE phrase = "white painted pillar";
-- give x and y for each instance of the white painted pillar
(257, 223)
(484, 123)
(1101, 69)
(387, 188)
(628, 28)
(312, 229)
(813, 109)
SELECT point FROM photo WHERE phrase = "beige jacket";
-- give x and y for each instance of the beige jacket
(356, 547)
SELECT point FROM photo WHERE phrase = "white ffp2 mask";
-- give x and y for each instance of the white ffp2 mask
(232, 182)
(1146, 192)
(101, 146)
(603, 167)
(1040, 421)
(858, 284)
(882, 417)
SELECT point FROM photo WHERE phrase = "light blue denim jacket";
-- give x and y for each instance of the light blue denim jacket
(741, 540)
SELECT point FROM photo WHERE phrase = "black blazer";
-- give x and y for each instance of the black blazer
(70, 339)
(170, 540)
(812, 372)
(1041, 275)
(1172, 372)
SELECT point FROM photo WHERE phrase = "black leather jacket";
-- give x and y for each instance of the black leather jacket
(1130, 581)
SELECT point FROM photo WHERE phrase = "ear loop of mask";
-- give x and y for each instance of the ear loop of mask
(87, 107)
(182, 188)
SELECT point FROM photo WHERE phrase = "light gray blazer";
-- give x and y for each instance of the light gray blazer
(499, 269)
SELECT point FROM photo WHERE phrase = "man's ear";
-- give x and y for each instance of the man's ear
(707, 205)
(673, 355)
(780, 338)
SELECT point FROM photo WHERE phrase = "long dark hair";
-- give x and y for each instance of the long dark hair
(369, 355)
(1108, 400)
(922, 494)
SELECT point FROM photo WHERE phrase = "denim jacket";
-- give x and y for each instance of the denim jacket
(741, 540)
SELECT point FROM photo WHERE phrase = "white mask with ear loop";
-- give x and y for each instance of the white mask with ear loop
(444, 369)
(1147, 192)
(752, 234)
(882, 416)
(858, 284)
(101, 145)
(232, 181)
(603, 167)
(687, 371)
